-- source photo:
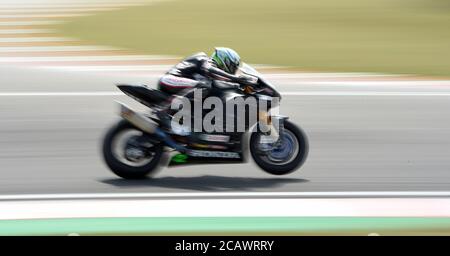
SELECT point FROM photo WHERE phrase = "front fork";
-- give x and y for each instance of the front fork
(272, 129)
(280, 120)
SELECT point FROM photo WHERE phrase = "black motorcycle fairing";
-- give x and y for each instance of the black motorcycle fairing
(265, 88)
(141, 93)
(223, 85)
(226, 91)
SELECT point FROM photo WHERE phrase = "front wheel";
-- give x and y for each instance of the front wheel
(286, 156)
(129, 153)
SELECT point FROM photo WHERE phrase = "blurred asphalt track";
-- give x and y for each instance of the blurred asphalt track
(366, 133)
(50, 144)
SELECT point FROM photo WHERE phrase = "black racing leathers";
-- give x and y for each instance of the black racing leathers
(192, 71)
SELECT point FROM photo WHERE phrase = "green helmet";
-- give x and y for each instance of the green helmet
(226, 59)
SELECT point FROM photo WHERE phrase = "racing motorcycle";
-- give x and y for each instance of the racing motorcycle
(139, 143)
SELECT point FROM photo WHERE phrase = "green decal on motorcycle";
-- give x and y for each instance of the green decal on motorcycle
(179, 158)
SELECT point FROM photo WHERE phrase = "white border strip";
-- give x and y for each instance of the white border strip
(344, 82)
(112, 68)
(26, 31)
(327, 75)
(29, 94)
(29, 23)
(14, 5)
(25, 10)
(310, 93)
(55, 48)
(34, 39)
(350, 207)
(345, 194)
(83, 58)
(53, 15)
(365, 93)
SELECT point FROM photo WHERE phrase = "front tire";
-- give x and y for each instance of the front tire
(118, 164)
(280, 168)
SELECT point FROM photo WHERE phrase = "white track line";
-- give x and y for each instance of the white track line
(343, 79)
(111, 68)
(56, 10)
(29, 23)
(86, 4)
(86, 59)
(30, 94)
(26, 31)
(346, 194)
(34, 39)
(365, 93)
(49, 15)
(287, 207)
(343, 82)
(55, 48)
(316, 93)
(327, 75)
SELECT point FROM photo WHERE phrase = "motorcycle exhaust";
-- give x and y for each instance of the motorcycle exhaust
(148, 126)
(137, 119)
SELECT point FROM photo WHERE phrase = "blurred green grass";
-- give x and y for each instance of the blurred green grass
(229, 226)
(389, 36)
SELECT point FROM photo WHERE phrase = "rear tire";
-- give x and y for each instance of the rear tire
(291, 166)
(122, 169)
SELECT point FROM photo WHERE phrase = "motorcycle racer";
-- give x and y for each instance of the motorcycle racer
(134, 147)
(198, 69)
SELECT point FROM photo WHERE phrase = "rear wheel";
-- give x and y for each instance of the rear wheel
(284, 158)
(129, 153)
